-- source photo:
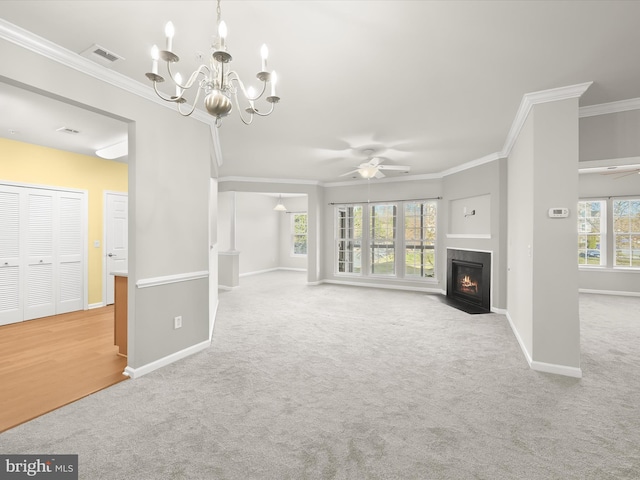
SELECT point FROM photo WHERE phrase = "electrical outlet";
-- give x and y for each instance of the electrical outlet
(177, 322)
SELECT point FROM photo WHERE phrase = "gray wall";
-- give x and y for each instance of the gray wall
(615, 135)
(483, 189)
(168, 202)
(315, 199)
(543, 275)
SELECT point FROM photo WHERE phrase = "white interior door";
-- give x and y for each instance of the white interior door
(10, 270)
(39, 286)
(116, 239)
(69, 261)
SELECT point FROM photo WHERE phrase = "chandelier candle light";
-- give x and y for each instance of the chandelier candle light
(218, 82)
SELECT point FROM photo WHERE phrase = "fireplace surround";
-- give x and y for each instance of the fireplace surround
(469, 280)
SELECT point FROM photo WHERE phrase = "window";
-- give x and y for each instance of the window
(382, 246)
(591, 232)
(419, 239)
(387, 239)
(349, 238)
(626, 228)
(299, 230)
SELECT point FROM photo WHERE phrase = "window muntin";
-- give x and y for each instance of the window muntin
(299, 234)
(591, 232)
(626, 233)
(419, 239)
(382, 244)
(349, 238)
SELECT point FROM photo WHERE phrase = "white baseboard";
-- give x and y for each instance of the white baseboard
(542, 366)
(385, 285)
(258, 272)
(224, 287)
(526, 353)
(557, 369)
(91, 306)
(500, 311)
(163, 362)
(291, 269)
(609, 292)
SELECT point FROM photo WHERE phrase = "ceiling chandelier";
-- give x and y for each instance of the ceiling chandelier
(218, 82)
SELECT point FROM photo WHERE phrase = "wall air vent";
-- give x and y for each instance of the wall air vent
(101, 55)
(70, 131)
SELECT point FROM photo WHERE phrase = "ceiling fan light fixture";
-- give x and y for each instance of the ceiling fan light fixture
(280, 206)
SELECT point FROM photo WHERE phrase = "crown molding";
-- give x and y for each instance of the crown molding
(473, 163)
(30, 41)
(612, 107)
(268, 180)
(536, 98)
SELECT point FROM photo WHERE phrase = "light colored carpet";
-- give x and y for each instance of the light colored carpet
(335, 382)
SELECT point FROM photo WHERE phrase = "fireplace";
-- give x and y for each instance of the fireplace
(469, 280)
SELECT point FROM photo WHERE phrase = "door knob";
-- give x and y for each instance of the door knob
(111, 255)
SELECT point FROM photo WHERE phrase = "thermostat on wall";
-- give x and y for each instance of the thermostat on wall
(558, 212)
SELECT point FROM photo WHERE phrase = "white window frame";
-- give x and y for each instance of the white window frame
(583, 225)
(294, 234)
(399, 242)
(615, 234)
(424, 245)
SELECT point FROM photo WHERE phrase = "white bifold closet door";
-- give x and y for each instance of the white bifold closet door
(41, 252)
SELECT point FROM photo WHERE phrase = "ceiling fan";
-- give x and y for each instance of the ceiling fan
(620, 171)
(373, 168)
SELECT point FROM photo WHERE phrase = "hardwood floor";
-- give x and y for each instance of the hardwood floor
(49, 362)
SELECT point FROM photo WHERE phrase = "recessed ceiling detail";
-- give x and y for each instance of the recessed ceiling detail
(70, 131)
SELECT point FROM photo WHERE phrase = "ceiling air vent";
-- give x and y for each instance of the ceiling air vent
(101, 55)
(70, 131)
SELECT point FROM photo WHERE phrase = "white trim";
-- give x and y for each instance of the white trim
(609, 292)
(385, 286)
(601, 269)
(535, 98)
(290, 269)
(52, 51)
(526, 353)
(268, 180)
(258, 272)
(499, 311)
(468, 235)
(575, 372)
(565, 370)
(91, 306)
(492, 157)
(163, 362)
(612, 107)
(180, 277)
(212, 318)
(404, 178)
(225, 288)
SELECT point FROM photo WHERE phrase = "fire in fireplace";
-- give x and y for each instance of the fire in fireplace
(469, 280)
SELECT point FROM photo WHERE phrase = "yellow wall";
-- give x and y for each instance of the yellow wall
(36, 165)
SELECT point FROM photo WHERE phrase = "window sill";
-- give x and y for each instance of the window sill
(595, 268)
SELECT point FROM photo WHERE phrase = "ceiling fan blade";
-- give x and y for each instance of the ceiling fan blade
(375, 161)
(626, 174)
(379, 174)
(404, 168)
(349, 173)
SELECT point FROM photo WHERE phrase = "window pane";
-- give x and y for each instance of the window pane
(383, 235)
(420, 236)
(349, 238)
(591, 228)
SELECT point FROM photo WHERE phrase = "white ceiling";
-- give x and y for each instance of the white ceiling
(430, 84)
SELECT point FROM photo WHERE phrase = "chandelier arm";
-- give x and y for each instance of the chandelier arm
(235, 96)
(192, 78)
(193, 107)
(268, 113)
(237, 78)
(166, 99)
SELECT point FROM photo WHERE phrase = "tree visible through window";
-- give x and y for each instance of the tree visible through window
(382, 244)
(626, 227)
(299, 228)
(419, 239)
(591, 232)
